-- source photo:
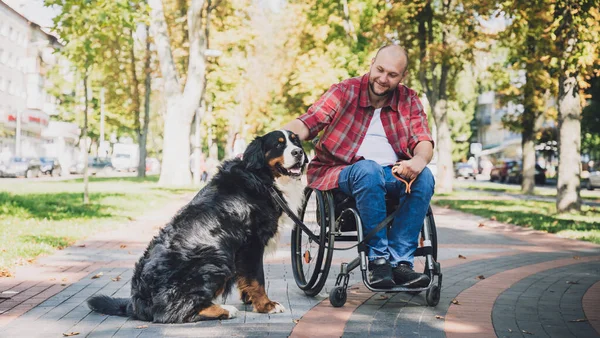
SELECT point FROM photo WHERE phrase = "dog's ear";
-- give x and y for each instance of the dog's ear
(254, 156)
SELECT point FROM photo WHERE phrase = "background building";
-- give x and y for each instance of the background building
(26, 55)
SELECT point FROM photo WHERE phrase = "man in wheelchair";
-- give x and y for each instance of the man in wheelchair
(374, 131)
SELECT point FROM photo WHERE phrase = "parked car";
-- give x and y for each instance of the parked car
(96, 165)
(21, 167)
(50, 166)
(593, 180)
(500, 171)
(515, 174)
(465, 170)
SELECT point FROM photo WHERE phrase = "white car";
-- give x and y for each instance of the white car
(593, 180)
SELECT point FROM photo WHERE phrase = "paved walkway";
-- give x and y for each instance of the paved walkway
(512, 282)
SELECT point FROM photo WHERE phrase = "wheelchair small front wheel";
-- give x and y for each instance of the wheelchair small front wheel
(338, 296)
(433, 295)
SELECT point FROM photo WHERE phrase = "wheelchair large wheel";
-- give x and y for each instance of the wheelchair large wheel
(311, 259)
(430, 222)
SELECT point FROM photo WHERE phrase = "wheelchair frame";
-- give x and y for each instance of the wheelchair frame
(330, 230)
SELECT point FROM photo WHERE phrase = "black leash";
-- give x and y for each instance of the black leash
(283, 205)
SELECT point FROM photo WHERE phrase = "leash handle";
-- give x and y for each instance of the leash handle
(402, 179)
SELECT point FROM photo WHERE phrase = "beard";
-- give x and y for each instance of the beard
(385, 93)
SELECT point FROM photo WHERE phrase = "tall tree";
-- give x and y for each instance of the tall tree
(181, 101)
(576, 49)
(85, 29)
(529, 43)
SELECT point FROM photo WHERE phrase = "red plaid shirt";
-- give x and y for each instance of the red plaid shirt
(345, 112)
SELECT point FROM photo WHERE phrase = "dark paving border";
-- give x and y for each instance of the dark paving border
(547, 304)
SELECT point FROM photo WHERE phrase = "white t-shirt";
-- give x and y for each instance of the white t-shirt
(375, 146)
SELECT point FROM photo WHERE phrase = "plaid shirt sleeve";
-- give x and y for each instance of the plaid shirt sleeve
(321, 113)
(419, 126)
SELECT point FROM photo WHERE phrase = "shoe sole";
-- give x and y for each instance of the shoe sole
(383, 284)
(420, 282)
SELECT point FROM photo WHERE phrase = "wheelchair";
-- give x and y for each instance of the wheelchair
(330, 216)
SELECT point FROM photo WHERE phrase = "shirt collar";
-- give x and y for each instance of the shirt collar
(364, 101)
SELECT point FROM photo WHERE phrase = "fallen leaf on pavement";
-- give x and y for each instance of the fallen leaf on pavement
(526, 332)
(454, 301)
(439, 317)
(123, 246)
(70, 334)
(98, 275)
(493, 218)
(571, 282)
(383, 297)
(116, 279)
(141, 327)
(481, 225)
(462, 257)
(296, 321)
(481, 277)
(576, 257)
(81, 246)
(580, 320)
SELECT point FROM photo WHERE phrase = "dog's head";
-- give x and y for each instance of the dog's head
(280, 151)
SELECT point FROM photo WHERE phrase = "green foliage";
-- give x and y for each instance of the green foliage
(98, 39)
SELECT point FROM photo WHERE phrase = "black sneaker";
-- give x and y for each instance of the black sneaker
(380, 274)
(405, 276)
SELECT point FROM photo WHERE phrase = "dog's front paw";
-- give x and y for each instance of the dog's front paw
(278, 308)
(233, 311)
(269, 307)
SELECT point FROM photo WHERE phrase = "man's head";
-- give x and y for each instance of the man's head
(388, 68)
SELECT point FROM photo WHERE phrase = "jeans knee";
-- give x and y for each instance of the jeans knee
(425, 181)
(368, 172)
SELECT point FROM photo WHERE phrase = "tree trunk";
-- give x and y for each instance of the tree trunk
(143, 137)
(175, 169)
(445, 174)
(529, 118)
(84, 136)
(569, 163)
(181, 105)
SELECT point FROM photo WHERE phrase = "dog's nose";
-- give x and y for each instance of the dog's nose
(297, 153)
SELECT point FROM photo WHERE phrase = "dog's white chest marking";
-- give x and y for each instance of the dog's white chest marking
(293, 193)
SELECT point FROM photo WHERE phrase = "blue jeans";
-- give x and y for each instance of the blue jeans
(368, 183)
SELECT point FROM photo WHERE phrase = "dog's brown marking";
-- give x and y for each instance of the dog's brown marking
(293, 136)
(256, 294)
(273, 164)
(281, 140)
(214, 311)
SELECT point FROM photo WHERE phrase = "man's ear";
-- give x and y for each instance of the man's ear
(254, 156)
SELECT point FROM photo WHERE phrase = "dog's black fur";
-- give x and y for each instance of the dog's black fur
(216, 240)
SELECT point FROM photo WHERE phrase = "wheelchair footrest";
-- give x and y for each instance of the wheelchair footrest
(424, 251)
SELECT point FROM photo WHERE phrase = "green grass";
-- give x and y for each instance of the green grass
(37, 218)
(539, 215)
(516, 189)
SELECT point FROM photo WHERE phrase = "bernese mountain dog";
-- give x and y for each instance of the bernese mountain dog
(217, 240)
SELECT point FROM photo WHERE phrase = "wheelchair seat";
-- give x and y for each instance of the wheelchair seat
(342, 202)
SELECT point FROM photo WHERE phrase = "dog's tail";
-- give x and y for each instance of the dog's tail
(111, 306)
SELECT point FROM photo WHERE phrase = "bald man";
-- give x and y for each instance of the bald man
(371, 123)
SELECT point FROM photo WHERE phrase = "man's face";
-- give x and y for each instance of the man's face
(387, 70)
